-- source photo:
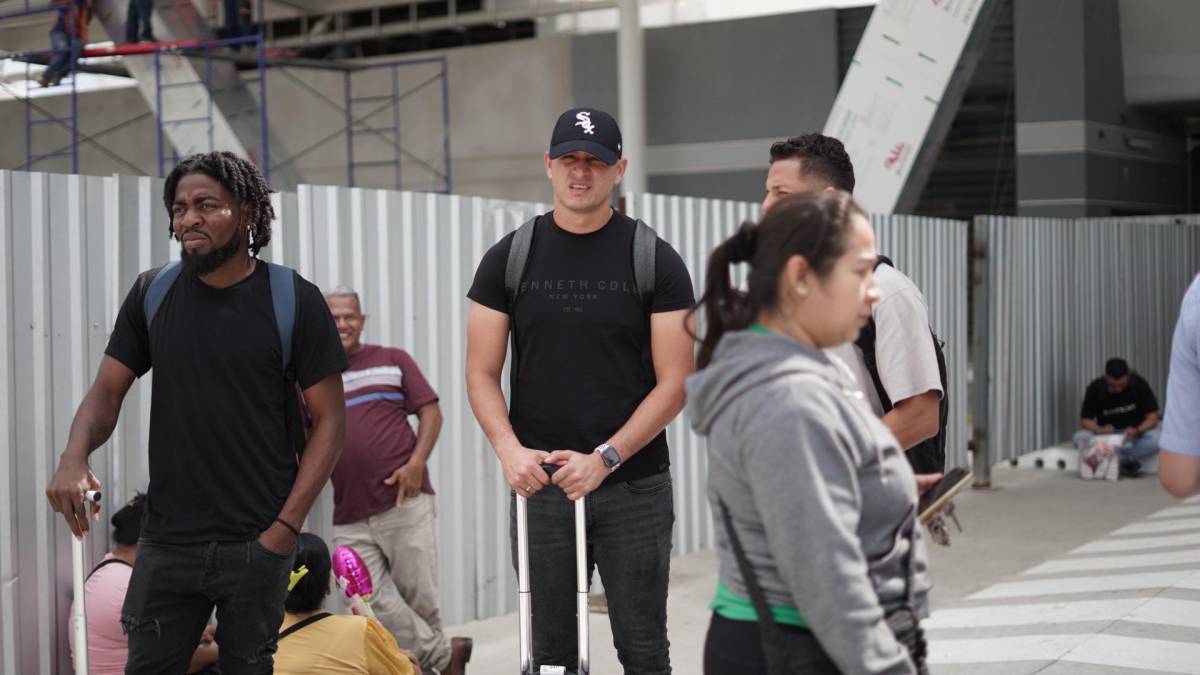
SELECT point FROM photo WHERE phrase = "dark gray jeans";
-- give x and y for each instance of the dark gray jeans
(172, 593)
(629, 541)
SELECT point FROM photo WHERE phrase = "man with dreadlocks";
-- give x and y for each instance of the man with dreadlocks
(227, 493)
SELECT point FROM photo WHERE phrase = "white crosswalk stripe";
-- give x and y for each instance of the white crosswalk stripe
(1139, 543)
(1160, 526)
(1140, 575)
(1113, 651)
(1118, 562)
(1189, 510)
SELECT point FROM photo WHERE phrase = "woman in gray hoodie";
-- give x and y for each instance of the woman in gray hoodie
(815, 489)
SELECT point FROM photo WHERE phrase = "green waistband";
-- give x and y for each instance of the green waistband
(734, 607)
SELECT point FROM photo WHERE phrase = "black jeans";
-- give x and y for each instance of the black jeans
(735, 648)
(172, 593)
(629, 541)
(137, 20)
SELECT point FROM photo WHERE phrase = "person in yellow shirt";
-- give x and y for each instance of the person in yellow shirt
(313, 641)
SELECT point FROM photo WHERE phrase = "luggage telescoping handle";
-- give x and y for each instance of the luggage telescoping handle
(581, 585)
(80, 614)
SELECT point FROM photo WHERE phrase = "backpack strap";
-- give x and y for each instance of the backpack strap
(645, 246)
(518, 258)
(105, 563)
(163, 279)
(301, 624)
(283, 299)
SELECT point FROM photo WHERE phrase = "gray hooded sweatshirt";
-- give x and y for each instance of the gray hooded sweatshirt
(819, 493)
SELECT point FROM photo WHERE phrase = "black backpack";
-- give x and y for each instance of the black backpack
(645, 243)
(928, 456)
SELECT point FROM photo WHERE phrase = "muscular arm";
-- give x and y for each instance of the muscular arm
(487, 343)
(673, 352)
(914, 419)
(327, 405)
(93, 424)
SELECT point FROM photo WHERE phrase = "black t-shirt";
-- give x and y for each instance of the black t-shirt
(224, 422)
(583, 336)
(1126, 409)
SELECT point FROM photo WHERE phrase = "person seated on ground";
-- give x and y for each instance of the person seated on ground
(313, 641)
(104, 594)
(1121, 402)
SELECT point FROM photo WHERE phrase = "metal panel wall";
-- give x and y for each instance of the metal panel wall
(1064, 296)
(71, 247)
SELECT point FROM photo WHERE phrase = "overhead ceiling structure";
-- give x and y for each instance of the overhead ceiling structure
(1160, 52)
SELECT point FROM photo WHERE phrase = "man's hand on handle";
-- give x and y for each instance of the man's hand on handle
(579, 473)
(66, 490)
(523, 469)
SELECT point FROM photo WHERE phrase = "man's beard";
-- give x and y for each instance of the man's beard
(203, 263)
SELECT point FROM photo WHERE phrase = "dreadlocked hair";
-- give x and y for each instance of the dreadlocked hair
(241, 178)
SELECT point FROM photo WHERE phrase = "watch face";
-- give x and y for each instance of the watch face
(610, 456)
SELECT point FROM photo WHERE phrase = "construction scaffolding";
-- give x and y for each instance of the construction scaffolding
(201, 102)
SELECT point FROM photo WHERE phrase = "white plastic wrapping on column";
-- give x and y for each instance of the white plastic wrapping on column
(1066, 295)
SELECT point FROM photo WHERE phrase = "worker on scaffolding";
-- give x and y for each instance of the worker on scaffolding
(67, 37)
(137, 21)
(239, 19)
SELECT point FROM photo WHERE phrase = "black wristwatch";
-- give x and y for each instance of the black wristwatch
(609, 455)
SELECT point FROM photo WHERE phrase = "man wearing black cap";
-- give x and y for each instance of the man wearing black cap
(600, 355)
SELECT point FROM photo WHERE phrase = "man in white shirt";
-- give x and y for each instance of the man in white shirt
(904, 351)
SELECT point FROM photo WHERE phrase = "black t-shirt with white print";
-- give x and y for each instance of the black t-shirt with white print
(1123, 410)
(583, 336)
(224, 421)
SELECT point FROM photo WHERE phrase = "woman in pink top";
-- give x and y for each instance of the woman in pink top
(105, 589)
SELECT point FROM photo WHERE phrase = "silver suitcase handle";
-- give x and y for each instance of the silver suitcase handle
(581, 585)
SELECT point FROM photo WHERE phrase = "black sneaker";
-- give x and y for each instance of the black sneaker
(1131, 469)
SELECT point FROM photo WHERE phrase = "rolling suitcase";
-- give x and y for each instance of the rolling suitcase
(78, 569)
(581, 593)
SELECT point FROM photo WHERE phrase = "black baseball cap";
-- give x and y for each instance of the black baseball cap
(590, 130)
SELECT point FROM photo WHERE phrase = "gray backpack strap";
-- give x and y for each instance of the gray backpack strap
(645, 245)
(518, 256)
(162, 282)
(283, 298)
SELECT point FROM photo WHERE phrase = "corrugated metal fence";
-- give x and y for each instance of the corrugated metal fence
(1064, 296)
(71, 246)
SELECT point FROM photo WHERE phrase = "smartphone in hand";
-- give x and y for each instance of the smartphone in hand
(936, 497)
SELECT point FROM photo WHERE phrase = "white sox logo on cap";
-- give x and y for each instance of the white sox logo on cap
(585, 121)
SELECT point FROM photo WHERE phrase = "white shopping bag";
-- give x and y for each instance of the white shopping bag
(1099, 458)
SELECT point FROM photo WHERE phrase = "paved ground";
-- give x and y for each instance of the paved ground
(1052, 575)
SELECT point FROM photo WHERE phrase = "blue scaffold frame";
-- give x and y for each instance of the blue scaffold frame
(393, 99)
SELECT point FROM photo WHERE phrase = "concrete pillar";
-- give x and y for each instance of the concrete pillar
(1082, 150)
(631, 92)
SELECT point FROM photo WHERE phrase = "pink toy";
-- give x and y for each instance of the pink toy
(351, 575)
